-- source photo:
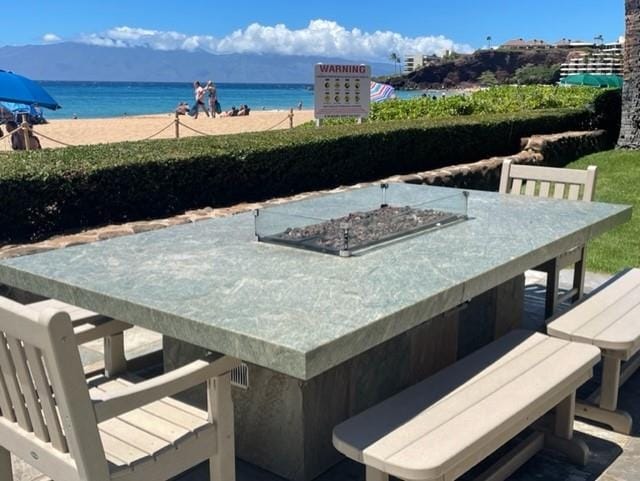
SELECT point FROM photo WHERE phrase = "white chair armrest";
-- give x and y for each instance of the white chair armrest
(90, 330)
(109, 405)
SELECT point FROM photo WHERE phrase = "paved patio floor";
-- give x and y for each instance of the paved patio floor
(614, 457)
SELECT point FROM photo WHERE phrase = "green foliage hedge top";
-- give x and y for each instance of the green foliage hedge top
(495, 100)
(49, 191)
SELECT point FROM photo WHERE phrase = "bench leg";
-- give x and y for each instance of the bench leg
(551, 295)
(606, 396)
(565, 412)
(222, 465)
(562, 438)
(610, 383)
(5, 465)
(373, 474)
(114, 359)
(620, 421)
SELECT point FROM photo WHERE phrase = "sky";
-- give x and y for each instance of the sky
(358, 30)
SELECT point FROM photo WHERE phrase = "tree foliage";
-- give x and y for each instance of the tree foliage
(488, 79)
(537, 74)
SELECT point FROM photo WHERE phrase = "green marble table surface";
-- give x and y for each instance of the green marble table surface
(299, 312)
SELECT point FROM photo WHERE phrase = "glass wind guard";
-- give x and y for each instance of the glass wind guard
(353, 229)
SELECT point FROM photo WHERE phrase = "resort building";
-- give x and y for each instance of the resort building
(596, 57)
(416, 61)
(521, 44)
(605, 59)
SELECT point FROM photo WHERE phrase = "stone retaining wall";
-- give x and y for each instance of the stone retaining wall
(555, 150)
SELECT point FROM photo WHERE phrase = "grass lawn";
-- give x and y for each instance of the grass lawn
(618, 182)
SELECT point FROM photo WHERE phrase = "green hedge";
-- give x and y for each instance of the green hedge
(50, 191)
(495, 100)
(607, 109)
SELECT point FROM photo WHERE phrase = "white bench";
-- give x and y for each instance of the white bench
(441, 427)
(610, 320)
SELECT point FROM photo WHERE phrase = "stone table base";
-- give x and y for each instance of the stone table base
(284, 424)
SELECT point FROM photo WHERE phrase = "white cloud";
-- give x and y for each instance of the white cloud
(50, 37)
(320, 37)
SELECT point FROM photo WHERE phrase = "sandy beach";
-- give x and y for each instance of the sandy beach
(98, 131)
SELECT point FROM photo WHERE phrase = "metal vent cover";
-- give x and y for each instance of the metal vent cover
(240, 376)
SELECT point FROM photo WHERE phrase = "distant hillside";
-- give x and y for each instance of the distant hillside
(466, 70)
(76, 61)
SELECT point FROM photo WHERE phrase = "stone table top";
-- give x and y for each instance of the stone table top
(301, 312)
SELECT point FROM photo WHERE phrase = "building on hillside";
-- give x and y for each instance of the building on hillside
(521, 44)
(605, 59)
(574, 44)
(416, 61)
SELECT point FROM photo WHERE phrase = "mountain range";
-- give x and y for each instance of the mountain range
(77, 61)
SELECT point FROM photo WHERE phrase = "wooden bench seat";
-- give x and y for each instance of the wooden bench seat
(441, 427)
(610, 320)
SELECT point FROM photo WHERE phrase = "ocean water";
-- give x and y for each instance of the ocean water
(115, 99)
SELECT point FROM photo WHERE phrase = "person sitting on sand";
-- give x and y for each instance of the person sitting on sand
(182, 108)
(18, 140)
(230, 113)
(244, 110)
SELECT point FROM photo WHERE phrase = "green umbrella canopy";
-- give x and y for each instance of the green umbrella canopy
(610, 81)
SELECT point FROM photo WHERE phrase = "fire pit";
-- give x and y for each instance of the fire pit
(355, 231)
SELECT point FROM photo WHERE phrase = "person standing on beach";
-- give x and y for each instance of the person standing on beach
(199, 92)
(213, 97)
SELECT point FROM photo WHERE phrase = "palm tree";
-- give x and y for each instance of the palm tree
(489, 41)
(598, 39)
(630, 122)
(395, 58)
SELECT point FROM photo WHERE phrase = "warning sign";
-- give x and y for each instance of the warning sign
(341, 90)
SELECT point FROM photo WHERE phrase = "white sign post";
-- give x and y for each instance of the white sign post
(341, 91)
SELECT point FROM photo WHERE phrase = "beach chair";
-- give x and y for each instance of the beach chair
(116, 430)
(570, 184)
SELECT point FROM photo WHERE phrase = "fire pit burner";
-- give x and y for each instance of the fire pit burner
(357, 230)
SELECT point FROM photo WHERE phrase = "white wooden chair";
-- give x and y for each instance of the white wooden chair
(90, 326)
(118, 430)
(571, 184)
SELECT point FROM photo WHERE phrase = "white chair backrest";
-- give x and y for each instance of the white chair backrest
(44, 396)
(553, 182)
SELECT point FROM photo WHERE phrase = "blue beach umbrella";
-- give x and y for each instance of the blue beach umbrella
(380, 92)
(21, 90)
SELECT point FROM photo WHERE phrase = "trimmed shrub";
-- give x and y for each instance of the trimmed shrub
(607, 107)
(49, 191)
(496, 100)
